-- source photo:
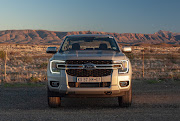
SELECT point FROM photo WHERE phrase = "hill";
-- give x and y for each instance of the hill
(55, 37)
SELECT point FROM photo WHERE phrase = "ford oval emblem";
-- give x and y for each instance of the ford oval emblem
(89, 66)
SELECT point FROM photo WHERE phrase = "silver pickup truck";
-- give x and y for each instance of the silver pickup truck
(89, 66)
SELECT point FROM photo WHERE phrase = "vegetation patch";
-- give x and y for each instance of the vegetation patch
(2, 54)
(34, 79)
(23, 84)
(153, 81)
(42, 65)
(130, 55)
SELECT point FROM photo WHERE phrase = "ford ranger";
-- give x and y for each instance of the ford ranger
(89, 66)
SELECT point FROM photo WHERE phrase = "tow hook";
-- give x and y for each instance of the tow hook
(108, 93)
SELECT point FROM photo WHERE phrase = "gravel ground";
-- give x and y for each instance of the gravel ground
(160, 101)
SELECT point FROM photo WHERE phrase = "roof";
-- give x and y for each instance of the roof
(89, 35)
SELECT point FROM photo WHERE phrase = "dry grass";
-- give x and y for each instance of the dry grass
(28, 63)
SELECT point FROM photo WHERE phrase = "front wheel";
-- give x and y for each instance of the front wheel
(126, 100)
(53, 102)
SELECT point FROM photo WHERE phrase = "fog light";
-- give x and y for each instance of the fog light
(124, 83)
(54, 83)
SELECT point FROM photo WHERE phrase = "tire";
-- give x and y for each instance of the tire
(126, 100)
(53, 102)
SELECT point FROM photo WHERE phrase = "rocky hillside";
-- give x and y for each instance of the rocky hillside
(54, 37)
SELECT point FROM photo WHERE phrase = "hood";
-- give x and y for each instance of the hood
(89, 55)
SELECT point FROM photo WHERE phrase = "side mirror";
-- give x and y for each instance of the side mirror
(51, 50)
(127, 49)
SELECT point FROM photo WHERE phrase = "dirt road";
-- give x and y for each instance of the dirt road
(151, 102)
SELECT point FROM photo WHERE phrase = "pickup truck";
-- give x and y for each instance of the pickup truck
(89, 66)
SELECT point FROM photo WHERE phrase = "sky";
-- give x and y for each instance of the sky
(120, 16)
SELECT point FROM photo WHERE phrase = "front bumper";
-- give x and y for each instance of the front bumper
(64, 90)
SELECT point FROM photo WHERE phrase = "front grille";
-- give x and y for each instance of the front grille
(89, 61)
(97, 84)
(89, 73)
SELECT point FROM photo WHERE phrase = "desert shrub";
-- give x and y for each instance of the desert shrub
(146, 49)
(42, 66)
(34, 79)
(151, 50)
(178, 50)
(130, 56)
(27, 59)
(177, 77)
(2, 71)
(2, 55)
(14, 53)
(173, 58)
(12, 58)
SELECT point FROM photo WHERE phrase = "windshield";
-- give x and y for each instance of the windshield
(89, 43)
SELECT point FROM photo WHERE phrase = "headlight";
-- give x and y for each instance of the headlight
(56, 66)
(124, 66)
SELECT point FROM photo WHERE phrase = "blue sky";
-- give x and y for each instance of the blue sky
(120, 16)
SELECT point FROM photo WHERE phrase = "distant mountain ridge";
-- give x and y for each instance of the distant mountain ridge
(55, 37)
